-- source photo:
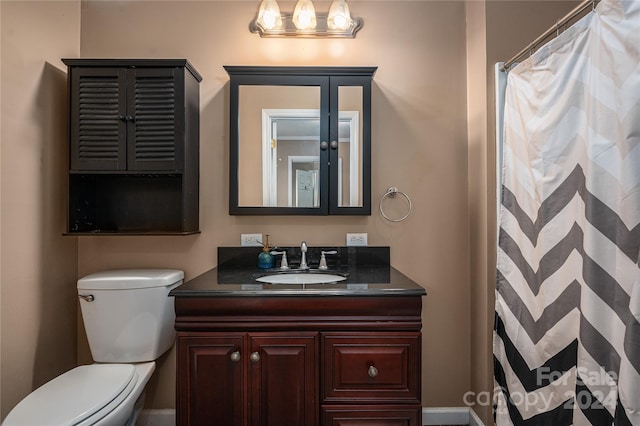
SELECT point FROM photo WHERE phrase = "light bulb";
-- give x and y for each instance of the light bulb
(339, 17)
(269, 16)
(304, 15)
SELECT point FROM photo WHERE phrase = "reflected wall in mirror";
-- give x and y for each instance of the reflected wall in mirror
(300, 140)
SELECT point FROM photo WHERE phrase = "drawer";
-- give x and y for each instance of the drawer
(379, 415)
(371, 367)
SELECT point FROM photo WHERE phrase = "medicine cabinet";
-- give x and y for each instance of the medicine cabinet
(300, 140)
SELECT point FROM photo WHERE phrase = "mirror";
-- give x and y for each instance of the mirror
(279, 136)
(349, 146)
(289, 154)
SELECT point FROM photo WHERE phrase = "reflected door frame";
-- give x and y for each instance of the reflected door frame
(270, 152)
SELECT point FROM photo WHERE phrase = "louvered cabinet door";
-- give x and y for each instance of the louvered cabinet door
(155, 132)
(98, 119)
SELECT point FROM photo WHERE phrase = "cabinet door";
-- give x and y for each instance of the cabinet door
(210, 376)
(350, 145)
(156, 119)
(98, 119)
(283, 379)
(278, 126)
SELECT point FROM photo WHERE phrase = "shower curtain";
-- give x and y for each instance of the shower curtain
(567, 323)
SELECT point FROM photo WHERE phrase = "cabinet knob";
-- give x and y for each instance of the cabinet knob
(334, 144)
(373, 372)
(324, 145)
(254, 357)
(122, 117)
(130, 118)
(235, 356)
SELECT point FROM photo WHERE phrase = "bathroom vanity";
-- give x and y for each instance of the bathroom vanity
(346, 353)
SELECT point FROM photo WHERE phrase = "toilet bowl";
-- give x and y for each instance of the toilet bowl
(97, 394)
(129, 318)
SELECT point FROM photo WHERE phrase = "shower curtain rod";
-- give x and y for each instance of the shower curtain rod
(556, 28)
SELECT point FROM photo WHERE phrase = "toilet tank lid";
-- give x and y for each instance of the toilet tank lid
(123, 279)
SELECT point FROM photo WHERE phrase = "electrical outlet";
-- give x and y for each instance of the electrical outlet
(250, 240)
(357, 239)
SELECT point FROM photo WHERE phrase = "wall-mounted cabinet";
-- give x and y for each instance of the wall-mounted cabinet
(134, 146)
(300, 140)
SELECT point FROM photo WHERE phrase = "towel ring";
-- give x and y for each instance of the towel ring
(391, 193)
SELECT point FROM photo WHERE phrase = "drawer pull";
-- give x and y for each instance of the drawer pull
(235, 356)
(254, 357)
(373, 372)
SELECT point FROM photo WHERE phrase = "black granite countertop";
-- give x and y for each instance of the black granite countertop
(366, 269)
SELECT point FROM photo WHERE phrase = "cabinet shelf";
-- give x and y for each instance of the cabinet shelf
(127, 172)
(121, 203)
(133, 234)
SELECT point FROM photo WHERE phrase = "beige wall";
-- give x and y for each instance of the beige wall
(432, 137)
(39, 266)
(481, 287)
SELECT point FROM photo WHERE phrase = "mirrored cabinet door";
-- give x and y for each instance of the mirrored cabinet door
(350, 146)
(279, 135)
(299, 140)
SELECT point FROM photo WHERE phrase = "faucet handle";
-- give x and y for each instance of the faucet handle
(323, 260)
(283, 263)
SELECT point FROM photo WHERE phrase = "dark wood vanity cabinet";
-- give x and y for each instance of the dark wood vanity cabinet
(278, 371)
(330, 361)
(134, 146)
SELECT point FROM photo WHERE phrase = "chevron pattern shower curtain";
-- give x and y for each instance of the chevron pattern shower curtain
(567, 324)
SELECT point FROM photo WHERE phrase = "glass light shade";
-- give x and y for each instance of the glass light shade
(269, 16)
(304, 15)
(339, 17)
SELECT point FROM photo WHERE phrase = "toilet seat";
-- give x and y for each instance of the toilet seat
(80, 396)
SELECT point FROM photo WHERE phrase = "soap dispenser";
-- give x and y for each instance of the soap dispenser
(265, 258)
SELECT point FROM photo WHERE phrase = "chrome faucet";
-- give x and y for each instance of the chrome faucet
(303, 261)
(283, 263)
(323, 259)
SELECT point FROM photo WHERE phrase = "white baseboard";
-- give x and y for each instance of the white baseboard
(474, 420)
(430, 416)
(165, 417)
(450, 416)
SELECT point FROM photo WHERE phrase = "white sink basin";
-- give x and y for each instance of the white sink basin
(301, 278)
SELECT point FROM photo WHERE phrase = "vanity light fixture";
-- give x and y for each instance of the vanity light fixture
(304, 21)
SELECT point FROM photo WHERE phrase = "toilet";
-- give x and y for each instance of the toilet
(129, 320)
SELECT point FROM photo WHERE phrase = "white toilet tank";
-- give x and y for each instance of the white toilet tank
(128, 314)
